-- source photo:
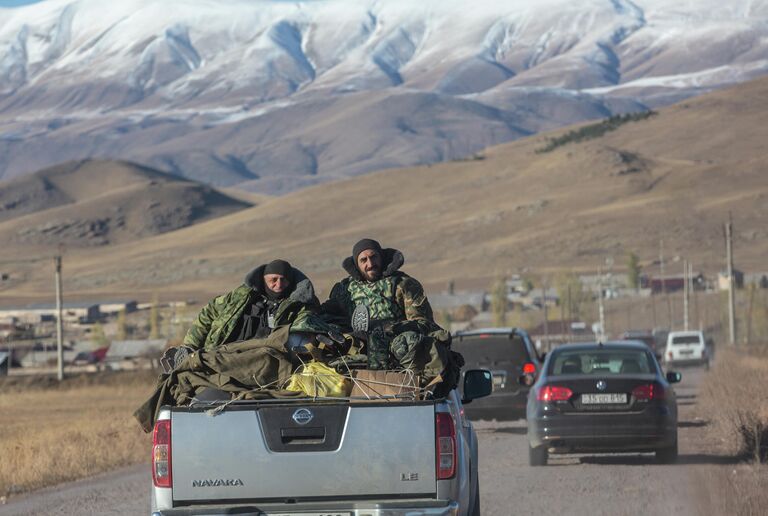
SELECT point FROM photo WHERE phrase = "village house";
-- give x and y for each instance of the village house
(36, 313)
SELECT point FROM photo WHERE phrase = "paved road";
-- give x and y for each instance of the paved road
(570, 485)
(591, 485)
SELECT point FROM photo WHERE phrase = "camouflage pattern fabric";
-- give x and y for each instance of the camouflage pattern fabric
(237, 368)
(391, 299)
(378, 350)
(217, 320)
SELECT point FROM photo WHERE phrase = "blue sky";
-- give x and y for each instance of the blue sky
(16, 3)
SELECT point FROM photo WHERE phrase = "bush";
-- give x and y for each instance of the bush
(589, 132)
(753, 431)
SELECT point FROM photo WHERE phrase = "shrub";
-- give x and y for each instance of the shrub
(592, 131)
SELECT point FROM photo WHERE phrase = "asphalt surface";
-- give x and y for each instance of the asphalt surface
(592, 485)
(569, 485)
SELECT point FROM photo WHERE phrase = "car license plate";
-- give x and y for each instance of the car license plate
(595, 399)
(686, 352)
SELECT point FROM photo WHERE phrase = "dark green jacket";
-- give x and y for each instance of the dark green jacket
(217, 320)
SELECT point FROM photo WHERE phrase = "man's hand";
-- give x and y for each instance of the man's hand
(173, 357)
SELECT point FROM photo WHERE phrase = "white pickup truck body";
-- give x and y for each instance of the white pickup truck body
(332, 457)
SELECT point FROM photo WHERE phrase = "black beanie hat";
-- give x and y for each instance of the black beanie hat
(279, 267)
(362, 245)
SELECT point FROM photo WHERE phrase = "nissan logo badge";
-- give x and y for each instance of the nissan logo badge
(601, 385)
(302, 416)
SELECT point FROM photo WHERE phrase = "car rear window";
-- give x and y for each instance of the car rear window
(491, 350)
(602, 362)
(686, 339)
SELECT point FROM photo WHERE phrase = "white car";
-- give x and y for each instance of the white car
(686, 348)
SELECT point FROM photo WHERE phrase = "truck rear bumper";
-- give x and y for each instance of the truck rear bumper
(431, 508)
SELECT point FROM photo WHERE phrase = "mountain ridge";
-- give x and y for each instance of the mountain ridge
(235, 95)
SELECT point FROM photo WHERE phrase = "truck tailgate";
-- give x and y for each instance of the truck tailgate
(298, 452)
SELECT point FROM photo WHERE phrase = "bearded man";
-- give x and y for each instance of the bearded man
(386, 304)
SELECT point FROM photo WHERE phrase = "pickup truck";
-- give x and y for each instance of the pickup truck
(324, 457)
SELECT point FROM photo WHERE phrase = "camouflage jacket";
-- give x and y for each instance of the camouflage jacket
(395, 298)
(217, 320)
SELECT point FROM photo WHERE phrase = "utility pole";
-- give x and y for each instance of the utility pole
(544, 288)
(731, 294)
(664, 282)
(59, 324)
(600, 305)
(570, 315)
(748, 337)
(686, 284)
(695, 295)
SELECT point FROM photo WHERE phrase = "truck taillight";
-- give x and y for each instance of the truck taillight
(648, 392)
(445, 437)
(161, 454)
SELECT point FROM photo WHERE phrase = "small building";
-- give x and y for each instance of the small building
(115, 307)
(722, 279)
(129, 349)
(16, 331)
(560, 332)
(609, 281)
(126, 354)
(759, 279)
(36, 313)
(675, 283)
(443, 301)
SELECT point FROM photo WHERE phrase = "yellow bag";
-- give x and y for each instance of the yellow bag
(317, 379)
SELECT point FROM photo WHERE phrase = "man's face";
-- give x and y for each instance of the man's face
(276, 282)
(369, 264)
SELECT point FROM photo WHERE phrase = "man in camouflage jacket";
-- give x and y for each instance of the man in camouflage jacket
(253, 310)
(401, 328)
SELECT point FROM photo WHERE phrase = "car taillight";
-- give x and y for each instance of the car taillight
(554, 393)
(161, 454)
(648, 392)
(529, 368)
(445, 444)
(669, 355)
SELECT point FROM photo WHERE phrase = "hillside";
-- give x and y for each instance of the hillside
(272, 96)
(94, 203)
(673, 176)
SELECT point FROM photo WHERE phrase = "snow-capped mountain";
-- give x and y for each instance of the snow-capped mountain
(272, 95)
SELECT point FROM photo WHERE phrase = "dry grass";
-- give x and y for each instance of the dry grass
(468, 221)
(54, 433)
(732, 395)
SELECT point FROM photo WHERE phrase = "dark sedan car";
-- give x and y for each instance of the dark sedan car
(602, 398)
(507, 353)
